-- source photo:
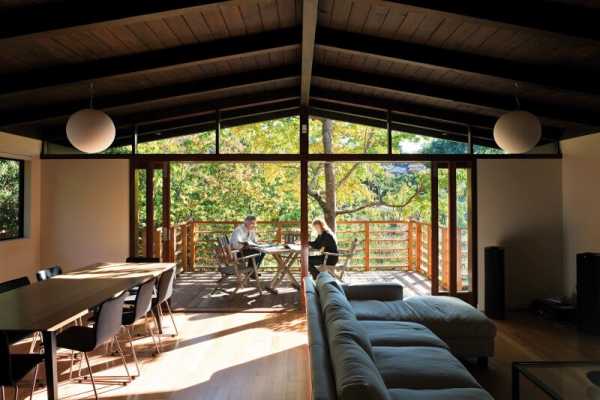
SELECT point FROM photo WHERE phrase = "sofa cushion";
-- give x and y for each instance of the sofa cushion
(376, 310)
(450, 317)
(397, 334)
(334, 304)
(353, 330)
(356, 376)
(374, 291)
(440, 394)
(421, 368)
(328, 279)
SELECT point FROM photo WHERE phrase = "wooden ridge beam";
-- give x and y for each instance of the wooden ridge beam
(551, 17)
(309, 28)
(561, 78)
(181, 90)
(480, 99)
(152, 61)
(73, 14)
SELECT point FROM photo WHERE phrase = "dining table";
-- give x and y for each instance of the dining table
(50, 305)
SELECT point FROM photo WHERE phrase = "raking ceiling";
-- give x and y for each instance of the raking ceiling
(433, 67)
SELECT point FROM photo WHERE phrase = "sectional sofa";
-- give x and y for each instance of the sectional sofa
(367, 342)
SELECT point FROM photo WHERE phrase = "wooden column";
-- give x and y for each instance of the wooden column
(367, 246)
(419, 246)
(304, 132)
(429, 251)
(192, 245)
(410, 244)
(184, 247)
(433, 240)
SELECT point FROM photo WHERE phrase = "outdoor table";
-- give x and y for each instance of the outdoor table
(285, 256)
(52, 304)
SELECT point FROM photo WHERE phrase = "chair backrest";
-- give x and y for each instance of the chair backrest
(143, 299)
(109, 319)
(14, 284)
(349, 254)
(5, 361)
(224, 249)
(47, 273)
(165, 285)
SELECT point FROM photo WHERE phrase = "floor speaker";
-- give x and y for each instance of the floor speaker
(588, 292)
(494, 283)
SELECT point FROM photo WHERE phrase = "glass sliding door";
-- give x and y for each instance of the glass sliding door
(452, 210)
(150, 212)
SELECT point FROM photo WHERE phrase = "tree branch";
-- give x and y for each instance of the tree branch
(380, 202)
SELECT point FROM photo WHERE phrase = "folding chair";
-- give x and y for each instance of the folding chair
(343, 264)
(231, 265)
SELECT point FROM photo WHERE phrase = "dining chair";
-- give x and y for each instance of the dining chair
(47, 273)
(135, 312)
(104, 330)
(344, 261)
(164, 293)
(16, 336)
(14, 367)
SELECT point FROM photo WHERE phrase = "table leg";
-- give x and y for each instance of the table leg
(516, 390)
(50, 364)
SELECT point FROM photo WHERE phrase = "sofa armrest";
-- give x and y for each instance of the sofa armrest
(374, 291)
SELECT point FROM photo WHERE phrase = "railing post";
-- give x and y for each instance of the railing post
(446, 258)
(429, 250)
(192, 246)
(419, 246)
(367, 246)
(458, 258)
(279, 235)
(157, 244)
(184, 247)
(410, 246)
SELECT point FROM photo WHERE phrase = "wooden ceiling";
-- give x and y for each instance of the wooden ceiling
(438, 66)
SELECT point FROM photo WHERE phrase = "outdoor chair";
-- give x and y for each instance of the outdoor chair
(343, 264)
(232, 266)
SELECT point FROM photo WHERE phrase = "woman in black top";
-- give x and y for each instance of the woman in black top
(325, 242)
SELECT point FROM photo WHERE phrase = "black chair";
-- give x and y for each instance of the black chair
(14, 367)
(164, 293)
(138, 310)
(104, 331)
(47, 273)
(15, 336)
(142, 259)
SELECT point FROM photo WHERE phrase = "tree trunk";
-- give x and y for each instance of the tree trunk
(329, 169)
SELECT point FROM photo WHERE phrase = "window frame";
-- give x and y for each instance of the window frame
(21, 213)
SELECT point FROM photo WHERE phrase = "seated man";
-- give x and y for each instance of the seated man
(243, 236)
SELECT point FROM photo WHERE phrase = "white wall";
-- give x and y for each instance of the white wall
(520, 209)
(85, 212)
(581, 200)
(21, 257)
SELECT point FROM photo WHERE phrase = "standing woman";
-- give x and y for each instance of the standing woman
(325, 242)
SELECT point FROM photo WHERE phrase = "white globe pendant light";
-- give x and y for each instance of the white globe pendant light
(517, 132)
(90, 130)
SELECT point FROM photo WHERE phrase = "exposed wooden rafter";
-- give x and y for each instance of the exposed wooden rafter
(480, 99)
(434, 57)
(73, 14)
(153, 95)
(548, 16)
(152, 61)
(309, 27)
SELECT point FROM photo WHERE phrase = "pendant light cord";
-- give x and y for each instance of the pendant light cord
(517, 96)
(91, 94)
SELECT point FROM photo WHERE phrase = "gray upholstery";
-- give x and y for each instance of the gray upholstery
(334, 304)
(377, 310)
(351, 329)
(421, 368)
(397, 334)
(374, 291)
(440, 394)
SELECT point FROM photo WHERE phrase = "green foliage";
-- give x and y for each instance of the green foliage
(9, 198)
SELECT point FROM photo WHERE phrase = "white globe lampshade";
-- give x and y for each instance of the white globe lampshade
(90, 131)
(517, 132)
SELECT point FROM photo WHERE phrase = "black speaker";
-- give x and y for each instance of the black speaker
(494, 283)
(588, 292)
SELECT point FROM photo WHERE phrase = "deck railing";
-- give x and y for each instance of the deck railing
(382, 245)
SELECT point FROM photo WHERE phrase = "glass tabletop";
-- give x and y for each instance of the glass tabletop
(565, 380)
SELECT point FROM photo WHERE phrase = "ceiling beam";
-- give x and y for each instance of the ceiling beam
(309, 28)
(73, 14)
(541, 15)
(475, 98)
(24, 115)
(568, 79)
(406, 109)
(152, 61)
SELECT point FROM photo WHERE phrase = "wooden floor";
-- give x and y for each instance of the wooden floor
(263, 356)
(193, 291)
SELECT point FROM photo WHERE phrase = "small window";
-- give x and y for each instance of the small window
(12, 177)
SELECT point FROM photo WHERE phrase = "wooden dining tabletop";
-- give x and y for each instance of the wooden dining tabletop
(49, 305)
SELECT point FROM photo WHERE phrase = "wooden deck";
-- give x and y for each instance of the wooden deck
(192, 291)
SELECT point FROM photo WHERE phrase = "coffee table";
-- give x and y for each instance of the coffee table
(560, 380)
